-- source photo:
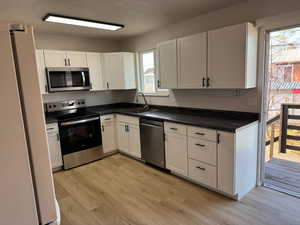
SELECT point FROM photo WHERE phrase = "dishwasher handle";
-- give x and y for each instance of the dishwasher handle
(151, 125)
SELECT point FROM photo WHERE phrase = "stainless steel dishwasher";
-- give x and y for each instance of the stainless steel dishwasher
(152, 142)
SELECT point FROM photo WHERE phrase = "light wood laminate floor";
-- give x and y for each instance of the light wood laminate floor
(121, 191)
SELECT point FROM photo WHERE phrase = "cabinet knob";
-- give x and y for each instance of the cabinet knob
(207, 82)
(201, 134)
(200, 145)
(203, 82)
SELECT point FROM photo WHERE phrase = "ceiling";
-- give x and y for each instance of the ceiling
(138, 16)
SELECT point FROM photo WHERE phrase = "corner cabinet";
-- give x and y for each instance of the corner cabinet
(119, 70)
(94, 64)
(232, 57)
(220, 59)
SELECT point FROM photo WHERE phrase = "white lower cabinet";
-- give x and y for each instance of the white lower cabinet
(223, 161)
(108, 131)
(54, 145)
(128, 133)
(176, 153)
(203, 173)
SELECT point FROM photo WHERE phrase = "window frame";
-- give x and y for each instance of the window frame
(158, 92)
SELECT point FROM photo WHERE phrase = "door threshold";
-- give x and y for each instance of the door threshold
(291, 193)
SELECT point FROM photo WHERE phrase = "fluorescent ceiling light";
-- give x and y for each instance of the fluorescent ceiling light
(82, 22)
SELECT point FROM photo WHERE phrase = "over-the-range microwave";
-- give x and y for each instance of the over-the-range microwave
(68, 79)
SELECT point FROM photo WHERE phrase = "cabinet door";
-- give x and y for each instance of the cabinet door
(167, 64)
(226, 57)
(192, 52)
(77, 59)
(113, 70)
(94, 64)
(176, 153)
(226, 163)
(129, 70)
(108, 137)
(54, 149)
(41, 71)
(134, 141)
(122, 136)
(55, 58)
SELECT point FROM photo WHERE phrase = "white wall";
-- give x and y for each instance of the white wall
(68, 42)
(213, 99)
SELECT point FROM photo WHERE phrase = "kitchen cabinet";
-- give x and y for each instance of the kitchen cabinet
(192, 61)
(41, 71)
(167, 64)
(56, 58)
(128, 133)
(54, 146)
(119, 70)
(237, 160)
(222, 58)
(176, 148)
(77, 59)
(232, 57)
(95, 67)
(108, 131)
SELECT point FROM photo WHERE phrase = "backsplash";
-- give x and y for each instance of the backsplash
(92, 97)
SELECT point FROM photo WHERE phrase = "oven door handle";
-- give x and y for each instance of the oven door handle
(79, 121)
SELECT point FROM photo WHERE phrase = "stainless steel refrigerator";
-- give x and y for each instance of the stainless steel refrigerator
(27, 194)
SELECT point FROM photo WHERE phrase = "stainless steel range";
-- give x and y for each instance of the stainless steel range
(80, 133)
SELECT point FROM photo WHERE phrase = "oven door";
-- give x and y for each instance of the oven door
(68, 79)
(79, 135)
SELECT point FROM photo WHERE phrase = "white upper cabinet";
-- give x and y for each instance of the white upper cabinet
(54, 58)
(77, 59)
(119, 70)
(232, 57)
(192, 61)
(94, 65)
(167, 64)
(41, 71)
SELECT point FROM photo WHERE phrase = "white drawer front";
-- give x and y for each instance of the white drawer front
(52, 127)
(107, 117)
(175, 128)
(202, 150)
(203, 173)
(128, 119)
(203, 133)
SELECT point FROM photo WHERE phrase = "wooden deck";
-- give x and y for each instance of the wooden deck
(283, 175)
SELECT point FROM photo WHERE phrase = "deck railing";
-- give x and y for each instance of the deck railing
(285, 125)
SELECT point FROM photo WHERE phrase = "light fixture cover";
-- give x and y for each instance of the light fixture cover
(82, 22)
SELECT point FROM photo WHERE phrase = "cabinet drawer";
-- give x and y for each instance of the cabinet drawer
(107, 118)
(202, 133)
(175, 128)
(128, 119)
(52, 127)
(202, 150)
(203, 173)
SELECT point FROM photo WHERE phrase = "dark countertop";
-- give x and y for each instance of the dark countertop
(213, 119)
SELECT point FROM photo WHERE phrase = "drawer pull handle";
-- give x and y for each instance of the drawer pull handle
(200, 145)
(50, 128)
(200, 168)
(202, 134)
(107, 119)
(173, 128)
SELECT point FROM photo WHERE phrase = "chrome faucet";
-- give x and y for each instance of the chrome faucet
(146, 105)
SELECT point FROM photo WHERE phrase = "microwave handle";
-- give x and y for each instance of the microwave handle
(83, 78)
